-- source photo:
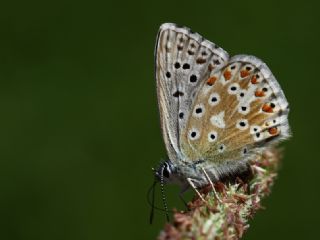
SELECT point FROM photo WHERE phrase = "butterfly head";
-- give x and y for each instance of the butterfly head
(166, 172)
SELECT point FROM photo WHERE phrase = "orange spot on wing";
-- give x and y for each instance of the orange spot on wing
(211, 80)
(273, 130)
(267, 108)
(254, 80)
(227, 75)
(259, 93)
(244, 73)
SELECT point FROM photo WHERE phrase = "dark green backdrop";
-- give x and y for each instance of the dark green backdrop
(79, 128)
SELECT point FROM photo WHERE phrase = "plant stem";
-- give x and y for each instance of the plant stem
(227, 219)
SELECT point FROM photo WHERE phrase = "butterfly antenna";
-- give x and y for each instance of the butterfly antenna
(151, 203)
(151, 197)
(164, 200)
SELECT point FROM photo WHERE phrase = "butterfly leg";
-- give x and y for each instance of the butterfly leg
(195, 189)
(212, 185)
(183, 190)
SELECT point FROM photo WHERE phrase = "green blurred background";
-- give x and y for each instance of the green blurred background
(79, 128)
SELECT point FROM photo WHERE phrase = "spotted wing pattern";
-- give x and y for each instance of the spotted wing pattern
(213, 108)
(239, 110)
(184, 60)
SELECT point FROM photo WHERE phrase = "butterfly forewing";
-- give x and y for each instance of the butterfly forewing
(184, 60)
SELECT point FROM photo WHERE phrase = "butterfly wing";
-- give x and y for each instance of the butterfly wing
(183, 60)
(243, 109)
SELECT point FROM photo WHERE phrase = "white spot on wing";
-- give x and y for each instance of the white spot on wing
(255, 129)
(244, 151)
(221, 148)
(258, 136)
(218, 121)
(242, 124)
(212, 136)
(233, 88)
(241, 95)
(244, 109)
(198, 111)
(193, 134)
(256, 132)
(214, 99)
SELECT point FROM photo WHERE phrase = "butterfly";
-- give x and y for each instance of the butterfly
(216, 112)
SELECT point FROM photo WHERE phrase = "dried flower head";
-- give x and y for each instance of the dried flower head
(240, 200)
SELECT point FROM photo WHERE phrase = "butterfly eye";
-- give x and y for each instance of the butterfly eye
(166, 172)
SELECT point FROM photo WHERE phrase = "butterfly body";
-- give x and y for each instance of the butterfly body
(216, 112)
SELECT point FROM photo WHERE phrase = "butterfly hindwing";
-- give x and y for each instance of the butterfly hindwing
(183, 61)
(238, 110)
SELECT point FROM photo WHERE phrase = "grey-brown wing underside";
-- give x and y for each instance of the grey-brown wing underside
(183, 60)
